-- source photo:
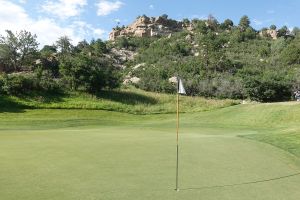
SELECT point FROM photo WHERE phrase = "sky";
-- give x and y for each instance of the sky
(93, 19)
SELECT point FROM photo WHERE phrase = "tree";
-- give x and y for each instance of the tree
(273, 27)
(296, 31)
(18, 50)
(82, 46)
(200, 26)
(283, 32)
(89, 73)
(244, 22)
(99, 47)
(291, 54)
(212, 22)
(186, 21)
(48, 61)
(48, 50)
(64, 46)
(227, 24)
(165, 16)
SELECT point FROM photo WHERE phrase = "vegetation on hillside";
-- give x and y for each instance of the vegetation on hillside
(215, 59)
(224, 60)
(54, 68)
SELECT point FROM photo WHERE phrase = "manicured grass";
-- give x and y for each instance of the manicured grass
(94, 154)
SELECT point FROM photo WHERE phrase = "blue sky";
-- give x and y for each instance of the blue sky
(87, 19)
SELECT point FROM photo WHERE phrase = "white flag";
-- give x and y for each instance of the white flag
(181, 89)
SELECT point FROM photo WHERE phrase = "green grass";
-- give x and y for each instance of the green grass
(128, 100)
(225, 153)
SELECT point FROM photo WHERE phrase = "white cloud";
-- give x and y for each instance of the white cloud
(258, 22)
(117, 20)
(151, 7)
(106, 7)
(14, 17)
(84, 29)
(64, 8)
(23, 1)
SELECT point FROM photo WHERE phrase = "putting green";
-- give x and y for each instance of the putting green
(137, 161)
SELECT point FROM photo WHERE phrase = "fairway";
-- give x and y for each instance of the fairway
(91, 155)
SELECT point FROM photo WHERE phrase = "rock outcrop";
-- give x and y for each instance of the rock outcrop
(148, 27)
(269, 33)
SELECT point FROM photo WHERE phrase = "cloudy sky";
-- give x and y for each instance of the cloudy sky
(87, 19)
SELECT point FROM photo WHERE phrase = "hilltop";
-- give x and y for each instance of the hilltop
(145, 26)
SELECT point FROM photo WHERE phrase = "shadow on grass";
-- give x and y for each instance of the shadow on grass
(245, 183)
(9, 105)
(125, 97)
(45, 97)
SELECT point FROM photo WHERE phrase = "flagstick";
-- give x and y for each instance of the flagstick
(177, 140)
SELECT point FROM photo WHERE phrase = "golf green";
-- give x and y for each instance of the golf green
(98, 155)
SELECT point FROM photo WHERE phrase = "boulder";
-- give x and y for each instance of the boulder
(173, 79)
(139, 65)
(135, 80)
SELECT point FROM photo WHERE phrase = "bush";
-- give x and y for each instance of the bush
(18, 83)
(1, 84)
(91, 74)
(46, 81)
(268, 86)
(25, 83)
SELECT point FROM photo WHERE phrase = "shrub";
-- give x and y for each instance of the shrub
(91, 74)
(1, 84)
(25, 83)
(19, 83)
(46, 82)
(268, 86)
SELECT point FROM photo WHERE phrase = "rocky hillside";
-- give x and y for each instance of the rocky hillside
(215, 59)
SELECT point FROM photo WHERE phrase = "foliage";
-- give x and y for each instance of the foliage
(291, 54)
(214, 59)
(223, 61)
(227, 24)
(133, 43)
(267, 85)
(244, 22)
(17, 50)
(88, 73)
(25, 83)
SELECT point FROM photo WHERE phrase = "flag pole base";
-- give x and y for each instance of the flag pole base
(177, 190)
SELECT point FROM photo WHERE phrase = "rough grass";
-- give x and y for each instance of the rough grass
(274, 123)
(129, 101)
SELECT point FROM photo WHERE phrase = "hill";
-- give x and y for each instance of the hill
(215, 59)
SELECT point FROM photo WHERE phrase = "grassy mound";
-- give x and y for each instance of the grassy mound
(129, 101)
(274, 123)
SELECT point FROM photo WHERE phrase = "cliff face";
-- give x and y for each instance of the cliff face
(148, 27)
